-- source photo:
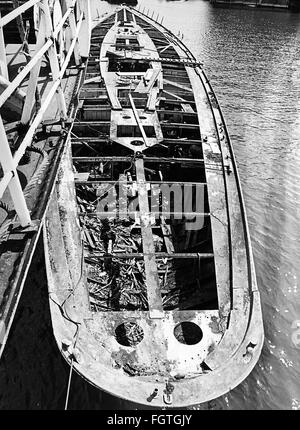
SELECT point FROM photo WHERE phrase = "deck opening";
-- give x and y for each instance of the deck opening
(92, 130)
(134, 131)
(115, 65)
(187, 283)
(180, 131)
(188, 333)
(129, 334)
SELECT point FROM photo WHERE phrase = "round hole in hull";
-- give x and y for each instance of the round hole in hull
(188, 333)
(129, 334)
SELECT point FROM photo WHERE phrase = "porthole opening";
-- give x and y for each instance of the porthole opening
(129, 334)
(188, 333)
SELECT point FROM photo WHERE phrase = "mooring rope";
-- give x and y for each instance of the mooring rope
(77, 328)
(71, 370)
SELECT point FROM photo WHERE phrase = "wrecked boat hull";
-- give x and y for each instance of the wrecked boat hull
(146, 304)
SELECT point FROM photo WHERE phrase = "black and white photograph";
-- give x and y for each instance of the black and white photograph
(149, 208)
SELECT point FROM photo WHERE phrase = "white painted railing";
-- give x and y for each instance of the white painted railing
(72, 33)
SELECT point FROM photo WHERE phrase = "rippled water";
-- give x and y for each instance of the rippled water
(252, 58)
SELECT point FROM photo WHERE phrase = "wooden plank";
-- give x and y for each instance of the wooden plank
(176, 84)
(179, 125)
(81, 177)
(182, 141)
(186, 112)
(146, 159)
(187, 108)
(92, 123)
(163, 49)
(176, 96)
(152, 278)
(188, 255)
(112, 94)
(146, 85)
(137, 118)
(176, 102)
(151, 103)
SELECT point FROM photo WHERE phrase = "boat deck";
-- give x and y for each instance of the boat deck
(165, 294)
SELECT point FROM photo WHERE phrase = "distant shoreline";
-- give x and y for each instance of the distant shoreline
(256, 5)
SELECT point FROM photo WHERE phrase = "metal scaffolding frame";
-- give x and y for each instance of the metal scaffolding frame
(74, 31)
